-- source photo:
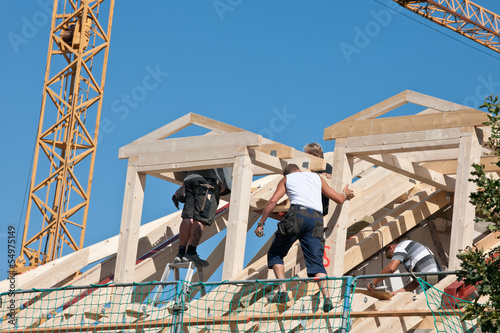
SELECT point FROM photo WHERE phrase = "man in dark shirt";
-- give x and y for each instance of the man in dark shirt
(203, 190)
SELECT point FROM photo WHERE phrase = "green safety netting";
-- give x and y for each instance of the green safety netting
(446, 310)
(179, 306)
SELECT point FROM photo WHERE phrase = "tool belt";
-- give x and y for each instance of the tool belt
(290, 224)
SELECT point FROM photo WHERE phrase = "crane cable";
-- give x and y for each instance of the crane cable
(441, 32)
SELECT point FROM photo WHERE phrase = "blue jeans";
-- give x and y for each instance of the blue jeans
(310, 237)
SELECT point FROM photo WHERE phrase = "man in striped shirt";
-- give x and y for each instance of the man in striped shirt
(415, 257)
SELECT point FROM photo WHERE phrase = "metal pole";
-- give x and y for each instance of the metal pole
(176, 321)
(347, 304)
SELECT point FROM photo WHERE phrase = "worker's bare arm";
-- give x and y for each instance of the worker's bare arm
(268, 209)
(339, 198)
(389, 269)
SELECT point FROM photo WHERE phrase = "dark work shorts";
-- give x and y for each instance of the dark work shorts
(310, 236)
(195, 196)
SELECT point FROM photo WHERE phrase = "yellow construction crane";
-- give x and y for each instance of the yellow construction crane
(66, 142)
(464, 17)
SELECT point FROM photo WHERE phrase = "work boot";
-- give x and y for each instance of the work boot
(280, 297)
(196, 259)
(180, 258)
(327, 305)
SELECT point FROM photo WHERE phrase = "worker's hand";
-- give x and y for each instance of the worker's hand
(397, 291)
(349, 194)
(370, 286)
(259, 231)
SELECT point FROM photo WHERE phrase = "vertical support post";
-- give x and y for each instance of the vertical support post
(234, 252)
(337, 218)
(462, 229)
(129, 229)
(344, 328)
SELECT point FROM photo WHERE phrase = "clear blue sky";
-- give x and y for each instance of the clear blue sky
(240, 62)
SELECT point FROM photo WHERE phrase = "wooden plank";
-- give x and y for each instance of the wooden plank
(393, 148)
(384, 220)
(394, 229)
(407, 323)
(308, 161)
(439, 253)
(276, 149)
(412, 123)
(338, 215)
(434, 103)
(60, 272)
(238, 217)
(195, 157)
(404, 137)
(172, 177)
(375, 192)
(450, 167)
(489, 242)
(369, 324)
(167, 130)
(213, 125)
(266, 161)
(196, 143)
(462, 229)
(187, 166)
(129, 229)
(360, 166)
(430, 155)
(380, 108)
(409, 169)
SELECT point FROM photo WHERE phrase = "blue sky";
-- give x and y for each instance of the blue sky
(283, 69)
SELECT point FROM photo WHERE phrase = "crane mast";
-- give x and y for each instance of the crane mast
(68, 129)
(462, 16)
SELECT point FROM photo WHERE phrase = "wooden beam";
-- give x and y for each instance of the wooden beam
(195, 157)
(238, 216)
(430, 155)
(338, 215)
(401, 124)
(439, 253)
(375, 192)
(434, 103)
(384, 220)
(379, 109)
(213, 125)
(167, 130)
(267, 161)
(394, 229)
(393, 148)
(172, 177)
(276, 149)
(404, 137)
(308, 161)
(129, 229)
(409, 169)
(187, 166)
(396, 324)
(450, 167)
(462, 229)
(193, 143)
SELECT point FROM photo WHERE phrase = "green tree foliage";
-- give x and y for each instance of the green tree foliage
(479, 268)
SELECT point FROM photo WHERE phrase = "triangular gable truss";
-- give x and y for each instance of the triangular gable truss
(397, 144)
(158, 155)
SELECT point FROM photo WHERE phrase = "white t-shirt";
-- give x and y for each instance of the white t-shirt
(304, 189)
